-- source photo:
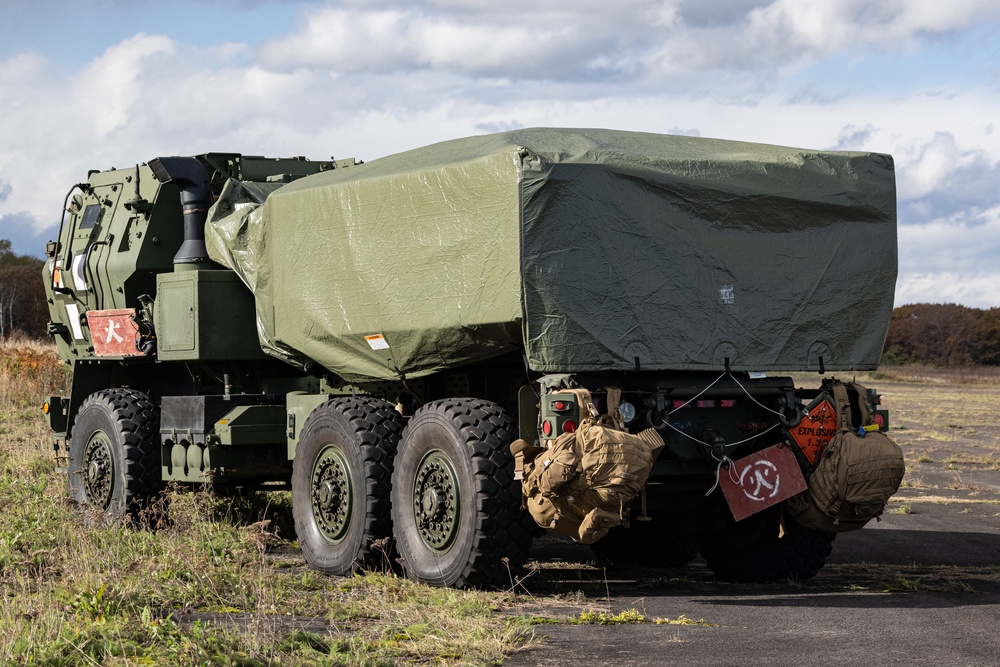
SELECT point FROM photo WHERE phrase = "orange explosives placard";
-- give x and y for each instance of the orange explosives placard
(113, 332)
(817, 428)
(761, 480)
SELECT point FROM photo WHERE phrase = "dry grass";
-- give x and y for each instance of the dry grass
(973, 375)
(218, 583)
(221, 584)
(29, 371)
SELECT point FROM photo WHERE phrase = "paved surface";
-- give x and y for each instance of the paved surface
(914, 589)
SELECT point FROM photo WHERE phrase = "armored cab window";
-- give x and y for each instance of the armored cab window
(90, 216)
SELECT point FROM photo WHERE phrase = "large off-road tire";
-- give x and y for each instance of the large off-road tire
(456, 507)
(756, 549)
(655, 543)
(340, 484)
(114, 456)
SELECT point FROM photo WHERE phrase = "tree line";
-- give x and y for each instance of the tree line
(23, 310)
(946, 335)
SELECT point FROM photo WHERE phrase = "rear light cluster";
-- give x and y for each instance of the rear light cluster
(704, 403)
(560, 414)
(752, 427)
(569, 426)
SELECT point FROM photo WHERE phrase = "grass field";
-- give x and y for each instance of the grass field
(221, 583)
(217, 585)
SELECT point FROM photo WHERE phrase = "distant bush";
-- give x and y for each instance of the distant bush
(29, 371)
(946, 335)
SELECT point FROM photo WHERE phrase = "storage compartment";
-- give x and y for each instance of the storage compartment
(205, 315)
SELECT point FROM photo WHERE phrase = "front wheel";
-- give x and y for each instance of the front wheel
(114, 462)
(456, 507)
(340, 484)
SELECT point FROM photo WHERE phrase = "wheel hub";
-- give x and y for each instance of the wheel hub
(331, 494)
(436, 501)
(99, 478)
(434, 504)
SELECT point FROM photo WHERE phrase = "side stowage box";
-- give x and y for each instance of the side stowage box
(205, 315)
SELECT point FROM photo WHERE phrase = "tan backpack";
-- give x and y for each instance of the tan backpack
(856, 475)
(583, 483)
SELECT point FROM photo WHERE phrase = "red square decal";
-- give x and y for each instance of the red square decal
(761, 480)
(113, 332)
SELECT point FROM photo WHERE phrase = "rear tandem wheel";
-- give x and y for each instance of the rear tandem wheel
(768, 546)
(456, 507)
(340, 484)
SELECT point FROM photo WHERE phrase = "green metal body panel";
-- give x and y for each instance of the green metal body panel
(246, 444)
(56, 413)
(121, 231)
(252, 425)
(299, 406)
(110, 251)
(205, 315)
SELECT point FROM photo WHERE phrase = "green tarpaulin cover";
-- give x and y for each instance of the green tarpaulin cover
(590, 250)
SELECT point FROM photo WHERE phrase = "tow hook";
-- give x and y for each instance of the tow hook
(718, 444)
(797, 409)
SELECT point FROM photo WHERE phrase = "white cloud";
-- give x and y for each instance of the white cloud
(385, 41)
(821, 28)
(114, 82)
(360, 78)
(951, 260)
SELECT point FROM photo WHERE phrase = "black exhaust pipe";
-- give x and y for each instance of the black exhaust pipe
(192, 178)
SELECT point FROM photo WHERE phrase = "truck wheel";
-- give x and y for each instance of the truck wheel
(114, 455)
(752, 549)
(340, 484)
(456, 507)
(656, 543)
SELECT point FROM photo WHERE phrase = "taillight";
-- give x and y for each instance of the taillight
(560, 406)
(547, 428)
(569, 426)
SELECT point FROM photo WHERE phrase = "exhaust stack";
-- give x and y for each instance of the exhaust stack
(192, 178)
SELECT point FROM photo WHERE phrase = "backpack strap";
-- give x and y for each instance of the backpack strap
(866, 417)
(614, 403)
(585, 401)
(843, 406)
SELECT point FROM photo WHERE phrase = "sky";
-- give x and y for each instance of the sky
(94, 84)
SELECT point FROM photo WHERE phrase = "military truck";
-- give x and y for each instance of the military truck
(375, 336)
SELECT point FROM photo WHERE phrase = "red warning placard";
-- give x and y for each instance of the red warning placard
(761, 480)
(113, 332)
(817, 428)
